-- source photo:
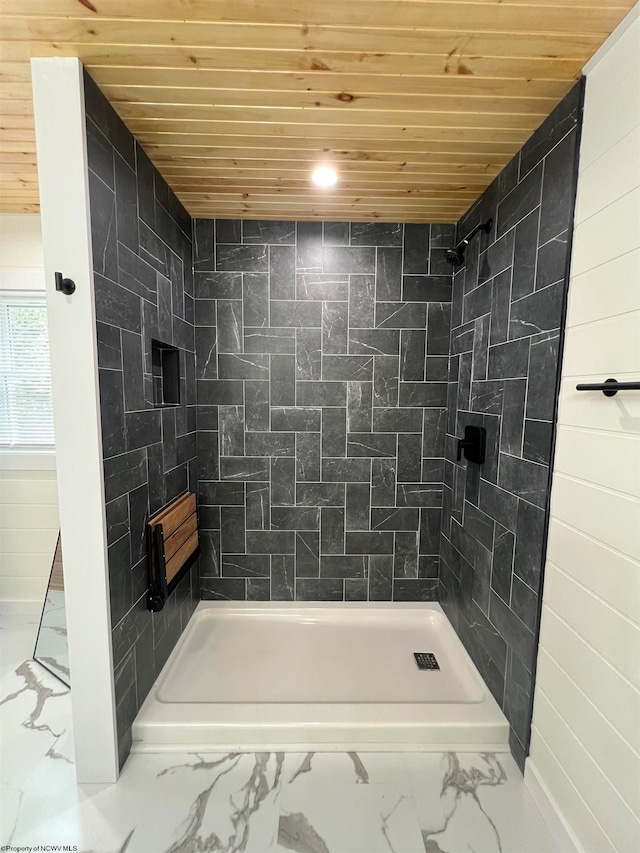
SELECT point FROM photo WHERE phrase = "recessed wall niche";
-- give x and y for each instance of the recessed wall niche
(166, 374)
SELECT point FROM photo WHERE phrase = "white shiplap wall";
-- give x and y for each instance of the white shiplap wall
(28, 496)
(585, 743)
(28, 532)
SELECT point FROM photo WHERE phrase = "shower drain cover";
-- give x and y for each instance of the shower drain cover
(426, 660)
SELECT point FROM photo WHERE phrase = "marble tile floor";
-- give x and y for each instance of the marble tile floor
(242, 803)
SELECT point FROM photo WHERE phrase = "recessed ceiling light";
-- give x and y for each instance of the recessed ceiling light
(324, 176)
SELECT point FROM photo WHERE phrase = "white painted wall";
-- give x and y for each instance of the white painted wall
(585, 747)
(28, 533)
(21, 261)
(28, 491)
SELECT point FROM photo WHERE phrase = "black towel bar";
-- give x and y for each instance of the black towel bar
(610, 387)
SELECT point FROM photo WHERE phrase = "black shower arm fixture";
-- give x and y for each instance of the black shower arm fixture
(485, 226)
(456, 256)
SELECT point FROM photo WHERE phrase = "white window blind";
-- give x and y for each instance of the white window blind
(26, 416)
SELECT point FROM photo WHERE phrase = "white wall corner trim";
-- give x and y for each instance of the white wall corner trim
(58, 96)
(559, 827)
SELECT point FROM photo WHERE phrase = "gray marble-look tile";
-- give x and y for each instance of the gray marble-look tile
(558, 189)
(232, 431)
(348, 259)
(520, 201)
(412, 355)
(527, 480)
(308, 457)
(228, 231)
(334, 432)
(350, 368)
(362, 301)
(374, 342)
(295, 419)
(335, 233)
(538, 436)
(282, 272)
(283, 383)
(319, 286)
(308, 549)
(308, 353)
(335, 327)
(388, 273)
(282, 577)
(376, 233)
(103, 228)
(266, 231)
(539, 312)
(552, 261)
(241, 258)
(515, 391)
(275, 341)
(309, 247)
(416, 249)
(297, 314)
(255, 295)
(229, 325)
(497, 257)
(543, 367)
(258, 505)
(527, 563)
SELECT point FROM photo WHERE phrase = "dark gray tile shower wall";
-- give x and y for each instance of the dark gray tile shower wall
(327, 369)
(322, 354)
(142, 259)
(507, 317)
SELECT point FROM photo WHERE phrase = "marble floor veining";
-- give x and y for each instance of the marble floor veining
(242, 802)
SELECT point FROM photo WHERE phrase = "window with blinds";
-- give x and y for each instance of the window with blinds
(26, 416)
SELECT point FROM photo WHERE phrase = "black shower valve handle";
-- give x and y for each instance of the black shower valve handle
(473, 444)
(462, 443)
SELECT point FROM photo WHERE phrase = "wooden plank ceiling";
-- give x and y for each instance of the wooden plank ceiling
(417, 103)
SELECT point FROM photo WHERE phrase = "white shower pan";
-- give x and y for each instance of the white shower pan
(249, 676)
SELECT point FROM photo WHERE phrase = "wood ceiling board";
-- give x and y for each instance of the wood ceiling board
(237, 102)
(241, 209)
(349, 150)
(17, 139)
(357, 86)
(283, 171)
(25, 146)
(459, 63)
(15, 72)
(200, 132)
(266, 195)
(320, 123)
(496, 16)
(343, 104)
(20, 158)
(217, 208)
(19, 179)
(568, 44)
(19, 206)
(15, 107)
(363, 197)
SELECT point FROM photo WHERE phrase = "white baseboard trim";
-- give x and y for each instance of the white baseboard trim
(562, 833)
